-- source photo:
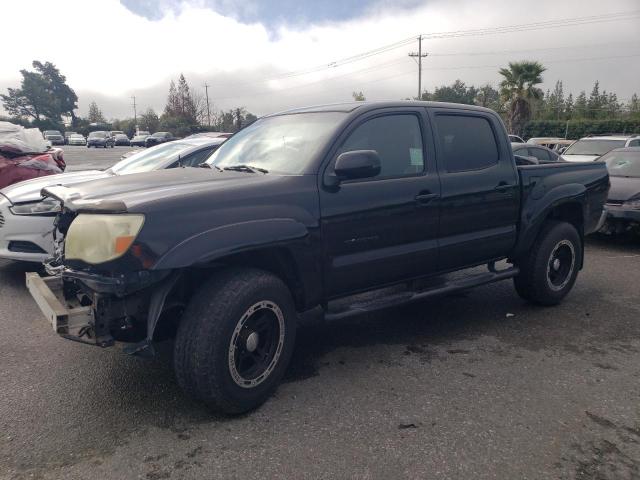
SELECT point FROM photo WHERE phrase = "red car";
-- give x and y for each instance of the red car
(14, 169)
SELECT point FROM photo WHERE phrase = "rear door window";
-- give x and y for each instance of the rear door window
(466, 142)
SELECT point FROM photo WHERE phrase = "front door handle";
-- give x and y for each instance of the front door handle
(424, 198)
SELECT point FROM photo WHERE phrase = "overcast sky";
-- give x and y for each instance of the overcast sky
(247, 50)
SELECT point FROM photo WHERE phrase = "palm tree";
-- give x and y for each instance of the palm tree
(518, 89)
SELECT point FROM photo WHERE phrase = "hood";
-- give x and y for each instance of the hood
(623, 188)
(580, 158)
(128, 192)
(29, 190)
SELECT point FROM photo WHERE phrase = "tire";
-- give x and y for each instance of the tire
(551, 267)
(216, 331)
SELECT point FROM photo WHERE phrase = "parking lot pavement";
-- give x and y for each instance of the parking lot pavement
(83, 158)
(479, 385)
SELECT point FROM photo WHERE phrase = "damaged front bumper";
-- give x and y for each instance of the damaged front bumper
(68, 317)
(100, 310)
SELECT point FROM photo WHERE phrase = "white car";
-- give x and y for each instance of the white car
(76, 139)
(26, 219)
(588, 149)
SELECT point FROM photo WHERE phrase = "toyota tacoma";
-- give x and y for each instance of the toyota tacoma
(340, 209)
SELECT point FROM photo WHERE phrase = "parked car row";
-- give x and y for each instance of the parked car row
(110, 139)
(593, 147)
(588, 148)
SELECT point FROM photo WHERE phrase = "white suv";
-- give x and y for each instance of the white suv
(588, 149)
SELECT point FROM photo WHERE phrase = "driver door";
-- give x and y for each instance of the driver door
(383, 229)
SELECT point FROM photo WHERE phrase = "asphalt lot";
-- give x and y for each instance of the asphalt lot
(83, 158)
(479, 385)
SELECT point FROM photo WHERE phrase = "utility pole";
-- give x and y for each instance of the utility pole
(135, 114)
(206, 90)
(420, 56)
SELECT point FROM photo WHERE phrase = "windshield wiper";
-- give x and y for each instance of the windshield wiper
(208, 165)
(246, 168)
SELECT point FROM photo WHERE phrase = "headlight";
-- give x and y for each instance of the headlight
(101, 238)
(633, 203)
(46, 206)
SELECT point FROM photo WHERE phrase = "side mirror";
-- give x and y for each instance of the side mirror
(357, 164)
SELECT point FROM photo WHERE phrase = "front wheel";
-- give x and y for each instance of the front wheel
(550, 269)
(235, 340)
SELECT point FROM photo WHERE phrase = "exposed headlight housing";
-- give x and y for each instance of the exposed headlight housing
(48, 206)
(100, 238)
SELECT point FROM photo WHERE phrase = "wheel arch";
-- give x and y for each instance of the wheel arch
(565, 203)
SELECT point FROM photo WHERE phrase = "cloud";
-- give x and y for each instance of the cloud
(109, 53)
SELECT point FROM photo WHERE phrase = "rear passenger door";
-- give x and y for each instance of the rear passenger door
(480, 200)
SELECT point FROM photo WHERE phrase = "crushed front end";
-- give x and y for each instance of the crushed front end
(87, 298)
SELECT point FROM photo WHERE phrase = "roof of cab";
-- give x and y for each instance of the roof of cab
(348, 107)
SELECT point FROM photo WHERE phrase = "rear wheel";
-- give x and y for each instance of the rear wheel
(235, 340)
(550, 269)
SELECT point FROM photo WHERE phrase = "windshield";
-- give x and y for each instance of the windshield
(623, 164)
(150, 159)
(282, 144)
(98, 134)
(593, 147)
(52, 132)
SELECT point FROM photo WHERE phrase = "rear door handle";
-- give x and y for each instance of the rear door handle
(424, 198)
(503, 187)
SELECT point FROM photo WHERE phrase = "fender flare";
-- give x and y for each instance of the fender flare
(218, 242)
(535, 212)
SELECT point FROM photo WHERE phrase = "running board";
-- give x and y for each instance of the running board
(405, 297)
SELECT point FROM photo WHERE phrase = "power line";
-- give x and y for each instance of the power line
(564, 60)
(386, 65)
(560, 23)
(527, 50)
(376, 67)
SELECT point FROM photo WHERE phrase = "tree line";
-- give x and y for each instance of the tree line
(527, 108)
(45, 100)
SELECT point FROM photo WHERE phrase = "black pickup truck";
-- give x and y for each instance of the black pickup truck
(339, 209)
